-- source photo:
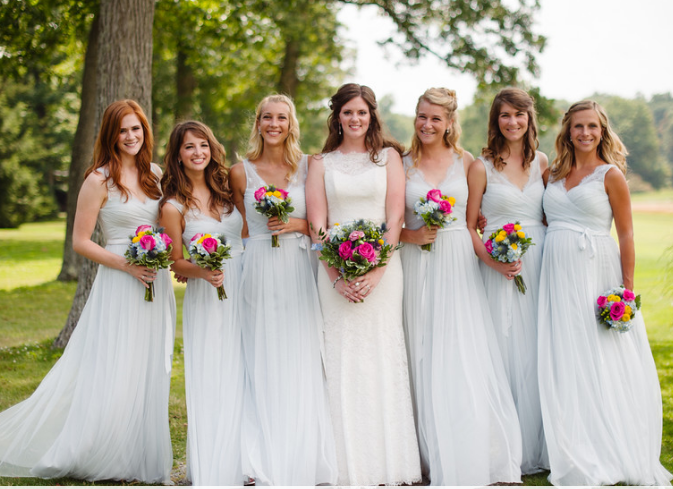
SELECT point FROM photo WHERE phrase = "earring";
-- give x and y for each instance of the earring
(180, 162)
(259, 131)
(339, 128)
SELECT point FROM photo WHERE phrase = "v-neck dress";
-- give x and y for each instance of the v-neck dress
(515, 314)
(600, 395)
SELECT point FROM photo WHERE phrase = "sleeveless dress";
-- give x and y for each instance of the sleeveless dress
(467, 424)
(214, 375)
(515, 314)
(102, 411)
(287, 435)
(366, 364)
(600, 395)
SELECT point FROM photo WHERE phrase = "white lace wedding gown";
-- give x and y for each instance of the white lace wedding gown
(600, 395)
(366, 363)
(214, 374)
(102, 411)
(286, 433)
(515, 314)
(467, 424)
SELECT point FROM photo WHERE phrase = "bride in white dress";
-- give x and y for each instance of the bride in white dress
(197, 199)
(600, 395)
(468, 430)
(360, 176)
(102, 411)
(286, 433)
(506, 183)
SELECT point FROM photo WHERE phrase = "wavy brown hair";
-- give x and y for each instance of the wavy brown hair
(106, 151)
(447, 100)
(376, 138)
(610, 148)
(177, 185)
(292, 150)
(497, 143)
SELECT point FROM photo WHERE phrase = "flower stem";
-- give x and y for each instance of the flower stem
(221, 294)
(427, 247)
(274, 241)
(521, 285)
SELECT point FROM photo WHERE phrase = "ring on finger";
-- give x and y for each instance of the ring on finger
(357, 284)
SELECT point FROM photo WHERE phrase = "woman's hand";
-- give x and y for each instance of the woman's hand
(508, 270)
(144, 274)
(213, 277)
(362, 286)
(293, 225)
(420, 236)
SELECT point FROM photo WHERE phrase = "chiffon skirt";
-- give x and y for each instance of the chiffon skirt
(214, 379)
(102, 411)
(467, 424)
(286, 433)
(600, 395)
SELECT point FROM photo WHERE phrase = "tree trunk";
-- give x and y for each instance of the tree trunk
(288, 76)
(124, 70)
(185, 84)
(82, 152)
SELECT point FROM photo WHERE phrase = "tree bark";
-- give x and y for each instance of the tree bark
(82, 152)
(288, 76)
(124, 70)
(185, 84)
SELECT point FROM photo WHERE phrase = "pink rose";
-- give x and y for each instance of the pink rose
(602, 301)
(167, 239)
(147, 242)
(196, 237)
(355, 235)
(209, 244)
(617, 310)
(508, 228)
(283, 193)
(143, 228)
(366, 251)
(445, 207)
(259, 194)
(346, 250)
(434, 195)
(489, 246)
(628, 295)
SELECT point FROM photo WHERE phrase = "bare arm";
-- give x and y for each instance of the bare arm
(620, 201)
(238, 182)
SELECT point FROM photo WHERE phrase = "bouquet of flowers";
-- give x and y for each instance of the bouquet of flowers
(355, 248)
(273, 202)
(617, 307)
(150, 248)
(507, 245)
(209, 251)
(435, 209)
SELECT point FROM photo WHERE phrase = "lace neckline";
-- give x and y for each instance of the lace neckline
(353, 163)
(594, 175)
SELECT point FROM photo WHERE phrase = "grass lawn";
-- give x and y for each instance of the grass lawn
(33, 308)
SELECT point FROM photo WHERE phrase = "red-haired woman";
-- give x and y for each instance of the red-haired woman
(197, 200)
(102, 411)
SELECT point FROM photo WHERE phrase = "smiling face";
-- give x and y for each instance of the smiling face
(354, 118)
(194, 152)
(274, 122)
(131, 136)
(431, 123)
(513, 122)
(585, 130)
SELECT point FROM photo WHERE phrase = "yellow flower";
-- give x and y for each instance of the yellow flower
(277, 194)
(380, 241)
(517, 227)
(614, 298)
(336, 223)
(499, 238)
(520, 234)
(626, 317)
(269, 194)
(628, 310)
(514, 246)
(136, 239)
(200, 240)
(452, 201)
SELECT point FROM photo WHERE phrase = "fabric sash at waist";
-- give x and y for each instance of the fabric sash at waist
(586, 235)
(267, 237)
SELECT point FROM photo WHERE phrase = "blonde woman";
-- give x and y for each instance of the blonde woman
(600, 395)
(287, 435)
(467, 425)
(506, 183)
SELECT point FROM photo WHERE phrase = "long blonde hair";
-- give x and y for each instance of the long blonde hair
(610, 148)
(292, 151)
(446, 99)
(497, 143)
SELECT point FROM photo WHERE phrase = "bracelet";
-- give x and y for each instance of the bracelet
(335, 281)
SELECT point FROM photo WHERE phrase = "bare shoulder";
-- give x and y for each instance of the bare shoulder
(394, 157)
(156, 169)
(468, 159)
(315, 163)
(477, 169)
(544, 161)
(616, 180)
(237, 172)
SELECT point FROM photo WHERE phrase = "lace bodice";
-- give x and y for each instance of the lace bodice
(454, 185)
(196, 222)
(355, 187)
(120, 217)
(504, 202)
(585, 205)
(257, 223)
